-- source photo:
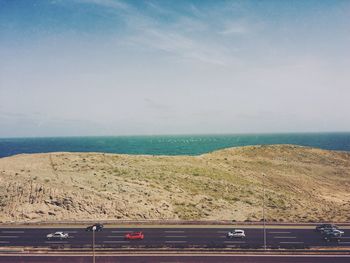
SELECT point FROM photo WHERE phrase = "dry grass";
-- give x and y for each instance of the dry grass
(302, 184)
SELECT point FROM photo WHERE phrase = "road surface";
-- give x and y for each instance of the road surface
(168, 237)
(179, 258)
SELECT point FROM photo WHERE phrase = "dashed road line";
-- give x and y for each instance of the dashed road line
(174, 231)
(12, 232)
(4, 242)
(115, 236)
(8, 237)
(176, 236)
(175, 241)
(234, 242)
(117, 241)
(122, 231)
(278, 232)
(291, 242)
(284, 237)
(56, 242)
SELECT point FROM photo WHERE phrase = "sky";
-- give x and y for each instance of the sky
(114, 67)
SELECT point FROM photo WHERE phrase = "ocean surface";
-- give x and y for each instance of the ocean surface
(168, 145)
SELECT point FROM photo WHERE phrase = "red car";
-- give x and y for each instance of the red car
(134, 235)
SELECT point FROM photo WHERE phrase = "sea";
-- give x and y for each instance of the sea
(169, 144)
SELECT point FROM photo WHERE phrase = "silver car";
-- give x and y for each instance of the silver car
(57, 235)
(237, 233)
(334, 232)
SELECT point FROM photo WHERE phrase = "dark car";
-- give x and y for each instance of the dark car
(98, 227)
(324, 227)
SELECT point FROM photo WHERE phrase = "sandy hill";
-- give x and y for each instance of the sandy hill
(302, 184)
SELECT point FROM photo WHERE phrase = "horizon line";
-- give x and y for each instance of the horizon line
(179, 134)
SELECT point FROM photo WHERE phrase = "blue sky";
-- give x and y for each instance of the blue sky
(113, 67)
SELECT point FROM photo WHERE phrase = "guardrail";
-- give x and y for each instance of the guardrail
(210, 246)
(175, 250)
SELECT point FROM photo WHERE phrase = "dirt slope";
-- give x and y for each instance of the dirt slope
(302, 184)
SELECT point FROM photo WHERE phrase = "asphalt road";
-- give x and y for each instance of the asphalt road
(179, 258)
(168, 237)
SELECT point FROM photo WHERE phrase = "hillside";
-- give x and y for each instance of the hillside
(302, 184)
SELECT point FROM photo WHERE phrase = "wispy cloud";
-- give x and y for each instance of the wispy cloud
(179, 45)
(115, 4)
(234, 29)
(186, 36)
(167, 66)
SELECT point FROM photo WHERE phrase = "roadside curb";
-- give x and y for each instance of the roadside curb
(165, 224)
(184, 252)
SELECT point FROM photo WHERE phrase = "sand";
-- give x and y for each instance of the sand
(302, 185)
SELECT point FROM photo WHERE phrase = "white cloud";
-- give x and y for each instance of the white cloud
(115, 4)
(234, 28)
(180, 46)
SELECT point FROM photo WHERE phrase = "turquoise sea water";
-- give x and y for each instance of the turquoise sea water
(168, 145)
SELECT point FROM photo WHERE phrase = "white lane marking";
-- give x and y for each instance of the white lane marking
(115, 236)
(231, 245)
(12, 232)
(291, 242)
(56, 242)
(8, 237)
(344, 237)
(220, 232)
(70, 232)
(344, 243)
(122, 231)
(176, 236)
(232, 242)
(4, 242)
(116, 241)
(284, 237)
(278, 232)
(174, 231)
(175, 241)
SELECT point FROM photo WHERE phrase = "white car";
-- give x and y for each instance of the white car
(237, 233)
(57, 235)
(334, 232)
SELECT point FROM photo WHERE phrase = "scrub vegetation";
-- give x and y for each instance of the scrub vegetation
(302, 185)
